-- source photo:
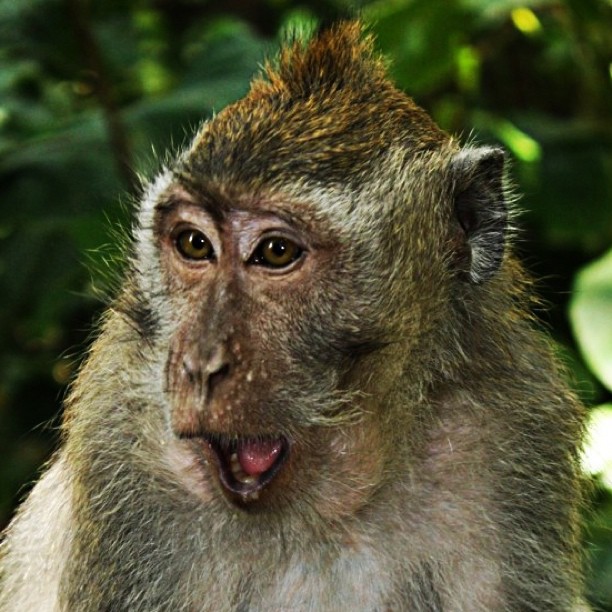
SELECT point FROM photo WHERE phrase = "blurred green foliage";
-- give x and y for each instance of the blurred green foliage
(92, 93)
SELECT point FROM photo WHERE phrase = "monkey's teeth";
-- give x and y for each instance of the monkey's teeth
(238, 472)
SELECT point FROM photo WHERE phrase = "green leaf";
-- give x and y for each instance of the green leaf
(425, 53)
(591, 316)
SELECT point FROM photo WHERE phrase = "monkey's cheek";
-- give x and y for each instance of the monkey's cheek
(357, 465)
(190, 469)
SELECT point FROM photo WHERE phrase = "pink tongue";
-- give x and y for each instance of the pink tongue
(258, 457)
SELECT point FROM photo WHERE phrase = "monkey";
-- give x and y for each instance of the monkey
(320, 385)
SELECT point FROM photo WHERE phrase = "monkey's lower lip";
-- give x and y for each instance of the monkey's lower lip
(247, 464)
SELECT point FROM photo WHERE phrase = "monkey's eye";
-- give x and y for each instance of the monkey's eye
(193, 244)
(276, 252)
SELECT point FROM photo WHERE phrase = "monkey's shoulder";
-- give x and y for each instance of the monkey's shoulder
(36, 546)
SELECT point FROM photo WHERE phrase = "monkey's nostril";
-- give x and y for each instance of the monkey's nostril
(214, 378)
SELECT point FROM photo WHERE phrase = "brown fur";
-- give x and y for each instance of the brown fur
(434, 447)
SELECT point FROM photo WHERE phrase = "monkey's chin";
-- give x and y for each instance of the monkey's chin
(247, 466)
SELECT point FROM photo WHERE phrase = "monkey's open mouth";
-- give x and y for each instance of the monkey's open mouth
(248, 464)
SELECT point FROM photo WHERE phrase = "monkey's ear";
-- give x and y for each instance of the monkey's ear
(480, 208)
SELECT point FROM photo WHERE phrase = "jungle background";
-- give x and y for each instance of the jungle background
(92, 93)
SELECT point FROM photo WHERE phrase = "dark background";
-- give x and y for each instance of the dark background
(92, 93)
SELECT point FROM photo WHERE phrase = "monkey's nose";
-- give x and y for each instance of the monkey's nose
(216, 369)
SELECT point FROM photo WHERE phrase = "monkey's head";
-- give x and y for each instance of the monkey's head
(293, 266)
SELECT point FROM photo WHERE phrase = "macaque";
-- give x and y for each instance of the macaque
(320, 387)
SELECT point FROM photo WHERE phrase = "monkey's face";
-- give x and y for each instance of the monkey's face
(264, 340)
(300, 258)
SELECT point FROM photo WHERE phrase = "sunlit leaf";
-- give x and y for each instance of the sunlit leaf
(526, 21)
(597, 456)
(591, 316)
